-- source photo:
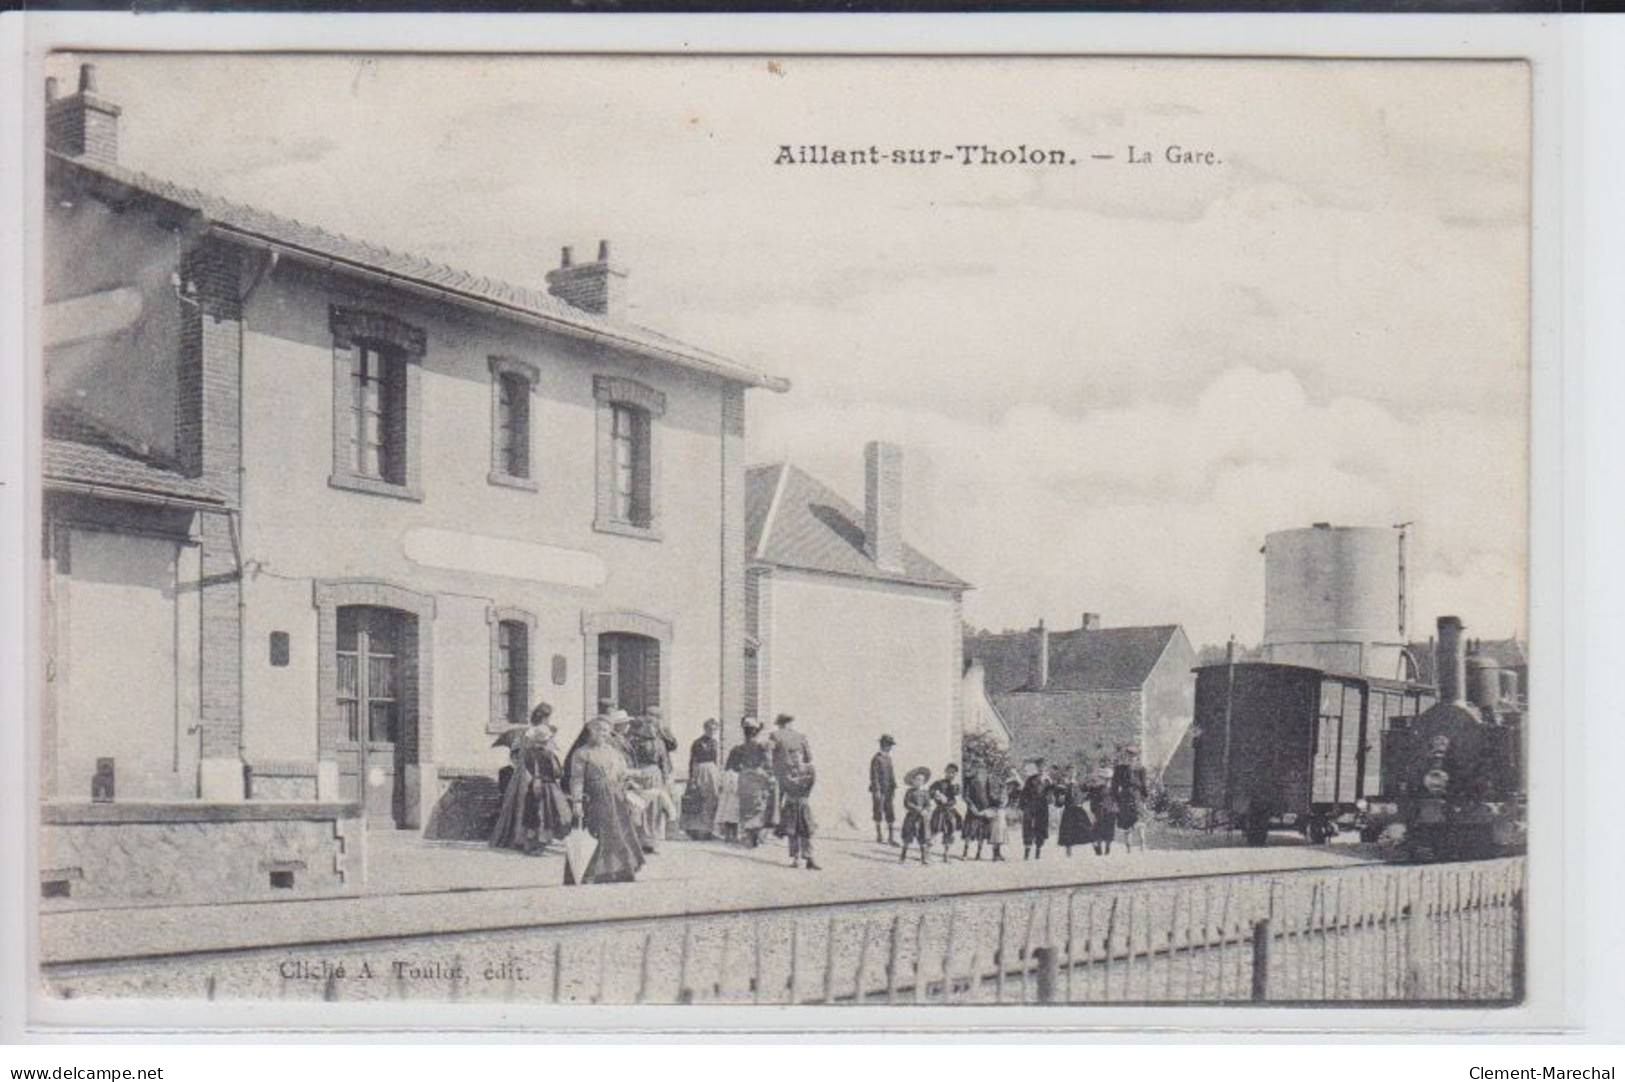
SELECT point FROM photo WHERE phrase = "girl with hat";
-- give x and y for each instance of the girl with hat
(915, 803)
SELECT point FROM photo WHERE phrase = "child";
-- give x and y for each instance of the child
(797, 818)
(915, 803)
(1008, 822)
(945, 808)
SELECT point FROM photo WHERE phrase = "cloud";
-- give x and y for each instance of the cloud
(1154, 512)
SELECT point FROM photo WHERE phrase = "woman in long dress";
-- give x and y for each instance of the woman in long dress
(547, 786)
(704, 785)
(509, 830)
(756, 789)
(1077, 827)
(598, 803)
(1131, 791)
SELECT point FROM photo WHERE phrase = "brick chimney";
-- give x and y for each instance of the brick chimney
(596, 287)
(1091, 621)
(1038, 660)
(84, 125)
(883, 504)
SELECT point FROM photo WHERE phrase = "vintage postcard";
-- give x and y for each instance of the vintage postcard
(784, 530)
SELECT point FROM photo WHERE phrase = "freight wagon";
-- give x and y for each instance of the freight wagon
(1291, 747)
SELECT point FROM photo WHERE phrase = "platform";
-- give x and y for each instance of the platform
(418, 888)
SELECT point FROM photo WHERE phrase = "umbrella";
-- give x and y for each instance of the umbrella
(509, 738)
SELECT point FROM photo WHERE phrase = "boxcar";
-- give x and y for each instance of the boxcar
(1293, 747)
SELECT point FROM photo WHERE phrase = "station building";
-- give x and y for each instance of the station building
(321, 518)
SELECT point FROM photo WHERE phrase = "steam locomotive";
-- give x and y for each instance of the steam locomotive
(1438, 771)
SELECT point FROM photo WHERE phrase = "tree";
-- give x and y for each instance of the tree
(979, 748)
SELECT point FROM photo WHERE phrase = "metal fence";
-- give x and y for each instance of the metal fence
(1364, 934)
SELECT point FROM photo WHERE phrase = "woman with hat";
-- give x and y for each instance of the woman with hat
(916, 801)
(1077, 822)
(752, 760)
(598, 803)
(704, 784)
(533, 810)
(1130, 790)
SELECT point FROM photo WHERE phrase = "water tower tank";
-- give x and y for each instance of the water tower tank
(1331, 599)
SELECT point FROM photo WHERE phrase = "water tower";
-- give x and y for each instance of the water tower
(1334, 599)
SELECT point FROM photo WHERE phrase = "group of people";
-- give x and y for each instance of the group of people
(1094, 806)
(615, 784)
(764, 785)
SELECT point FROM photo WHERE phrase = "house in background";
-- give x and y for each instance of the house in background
(323, 517)
(1089, 690)
(981, 714)
(851, 629)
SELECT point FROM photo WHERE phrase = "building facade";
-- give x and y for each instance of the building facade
(1073, 696)
(349, 513)
(851, 630)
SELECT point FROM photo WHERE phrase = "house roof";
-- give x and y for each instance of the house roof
(1098, 659)
(81, 452)
(794, 520)
(1106, 659)
(1006, 658)
(253, 226)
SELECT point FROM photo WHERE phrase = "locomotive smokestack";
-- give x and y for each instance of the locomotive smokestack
(1451, 661)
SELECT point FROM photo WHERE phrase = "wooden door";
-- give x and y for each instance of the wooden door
(370, 703)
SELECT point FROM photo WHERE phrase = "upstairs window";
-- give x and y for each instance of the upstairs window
(377, 431)
(631, 439)
(377, 368)
(628, 457)
(511, 387)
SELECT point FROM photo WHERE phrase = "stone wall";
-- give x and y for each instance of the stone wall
(200, 852)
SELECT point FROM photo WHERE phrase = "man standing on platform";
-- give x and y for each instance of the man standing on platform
(883, 788)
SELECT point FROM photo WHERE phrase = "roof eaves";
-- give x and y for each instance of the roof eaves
(609, 335)
(206, 208)
(886, 578)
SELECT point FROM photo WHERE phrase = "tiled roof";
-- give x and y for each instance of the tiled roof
(251, 224)
(1006, 658)
(1099, 659)
(794, 520)
(1112, 658)
(80, 451)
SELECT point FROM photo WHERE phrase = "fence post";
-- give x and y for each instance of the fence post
(1413, 947)
(1261, 960)
(1517, 945)
(1047, 973)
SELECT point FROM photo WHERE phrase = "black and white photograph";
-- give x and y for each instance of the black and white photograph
(750, 531)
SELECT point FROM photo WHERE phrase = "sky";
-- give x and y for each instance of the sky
(1109, 381)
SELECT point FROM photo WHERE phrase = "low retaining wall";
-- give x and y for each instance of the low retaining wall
(197, 851)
